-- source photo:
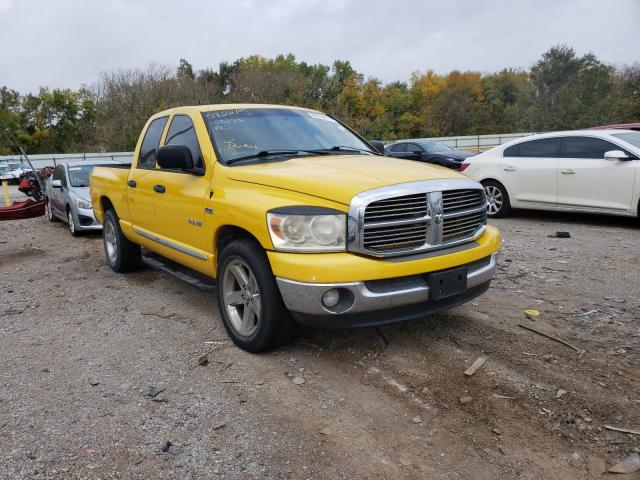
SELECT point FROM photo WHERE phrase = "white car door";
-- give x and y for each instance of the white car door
(587, 181)
(529, 172)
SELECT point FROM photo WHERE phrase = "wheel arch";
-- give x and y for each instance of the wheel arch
(226, 234)
(493, 179)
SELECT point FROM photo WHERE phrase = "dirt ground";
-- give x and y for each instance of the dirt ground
(81, 346)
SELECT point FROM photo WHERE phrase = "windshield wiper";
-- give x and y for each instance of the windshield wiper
(268, 153)
(345, 148)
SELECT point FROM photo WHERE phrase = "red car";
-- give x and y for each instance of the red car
(623, 126)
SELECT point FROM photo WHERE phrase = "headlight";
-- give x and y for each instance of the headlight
(86, 204)
(309, 231)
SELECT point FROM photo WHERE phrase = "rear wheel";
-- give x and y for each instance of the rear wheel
(122, 254)
(498, 204)
(249, 300)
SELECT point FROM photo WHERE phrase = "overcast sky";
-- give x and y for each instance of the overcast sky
(65, 43)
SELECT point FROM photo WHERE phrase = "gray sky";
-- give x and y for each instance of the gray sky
(65, 43)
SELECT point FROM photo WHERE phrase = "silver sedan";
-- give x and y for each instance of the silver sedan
(68, 197)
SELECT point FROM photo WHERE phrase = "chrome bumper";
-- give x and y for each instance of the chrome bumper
(306, 298)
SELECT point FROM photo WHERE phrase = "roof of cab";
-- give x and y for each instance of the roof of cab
(222, 106)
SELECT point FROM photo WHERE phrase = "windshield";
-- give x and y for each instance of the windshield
(79, 175)
(630, 137)
(246, 132)
(434, 147)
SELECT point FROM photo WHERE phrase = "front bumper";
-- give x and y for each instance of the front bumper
(85, 219)
(385, 296)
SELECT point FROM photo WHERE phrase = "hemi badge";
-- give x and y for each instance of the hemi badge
(208, 210)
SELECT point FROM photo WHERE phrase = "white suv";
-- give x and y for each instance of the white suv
(595, 171)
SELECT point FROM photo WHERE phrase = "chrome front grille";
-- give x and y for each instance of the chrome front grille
(464, 213)
(456, 200)
(415, 217)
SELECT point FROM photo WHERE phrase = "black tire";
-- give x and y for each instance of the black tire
(73, 230)
(50, 215)
(124, 255)
(274, 327)
(496, 191)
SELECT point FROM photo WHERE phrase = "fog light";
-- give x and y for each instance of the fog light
(331, 298)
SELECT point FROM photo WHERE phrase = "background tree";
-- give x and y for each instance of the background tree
(561, 91)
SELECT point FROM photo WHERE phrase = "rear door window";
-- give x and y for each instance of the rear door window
(398, 147)
(586, 147)
(150, 143)
(545, 147)
(182, 132)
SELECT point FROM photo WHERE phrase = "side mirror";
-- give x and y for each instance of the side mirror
(56, 183)
(175, 157)
(378, 145)
(616, 155)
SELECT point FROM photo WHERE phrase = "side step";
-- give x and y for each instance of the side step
(185, 274)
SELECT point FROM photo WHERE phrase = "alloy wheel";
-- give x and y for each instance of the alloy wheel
(241, 297)
(494, 199)
(110, 242)
(72, 226)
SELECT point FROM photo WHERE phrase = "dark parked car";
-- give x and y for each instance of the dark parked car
(430, 152)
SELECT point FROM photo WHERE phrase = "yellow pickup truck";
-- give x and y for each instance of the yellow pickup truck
(290, 216)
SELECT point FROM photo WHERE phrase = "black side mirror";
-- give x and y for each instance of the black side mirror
(378, 145)
(175, 157)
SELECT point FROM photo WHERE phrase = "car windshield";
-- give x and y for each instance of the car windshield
(79, 175)
(435, 147)
(260, 132)
(630, 137)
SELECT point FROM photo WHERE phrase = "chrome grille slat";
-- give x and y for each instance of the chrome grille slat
(417, 216)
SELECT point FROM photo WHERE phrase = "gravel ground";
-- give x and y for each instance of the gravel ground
(84, 352)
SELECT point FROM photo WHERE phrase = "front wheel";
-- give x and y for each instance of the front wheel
(122, 254)
(498, 204)
(249, 300)
(50, 215)
(72, 224)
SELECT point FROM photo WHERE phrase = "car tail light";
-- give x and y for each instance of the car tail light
(463, 166)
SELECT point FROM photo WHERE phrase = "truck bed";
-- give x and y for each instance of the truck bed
(110, 181)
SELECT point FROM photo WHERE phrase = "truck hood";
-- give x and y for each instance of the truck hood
(338, 177)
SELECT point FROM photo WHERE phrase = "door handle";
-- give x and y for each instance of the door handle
(132, 183)
(568, 172)
(509, 168)
(159, 188)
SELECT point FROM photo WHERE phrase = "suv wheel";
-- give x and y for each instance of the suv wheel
(249, 301)
(498, 204)
(122, 254)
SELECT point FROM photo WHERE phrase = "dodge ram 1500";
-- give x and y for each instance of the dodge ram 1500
(291, 216)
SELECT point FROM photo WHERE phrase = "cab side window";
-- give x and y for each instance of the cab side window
(150, 143)
(182, 132)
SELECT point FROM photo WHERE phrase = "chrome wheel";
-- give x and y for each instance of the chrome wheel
(72, 226)
(110, 242)
(241, 297)
(494, 199)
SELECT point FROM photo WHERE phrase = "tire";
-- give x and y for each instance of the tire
(122, 254)
(243, 272)
(73, 230)
(50, 215)
(498, 204)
